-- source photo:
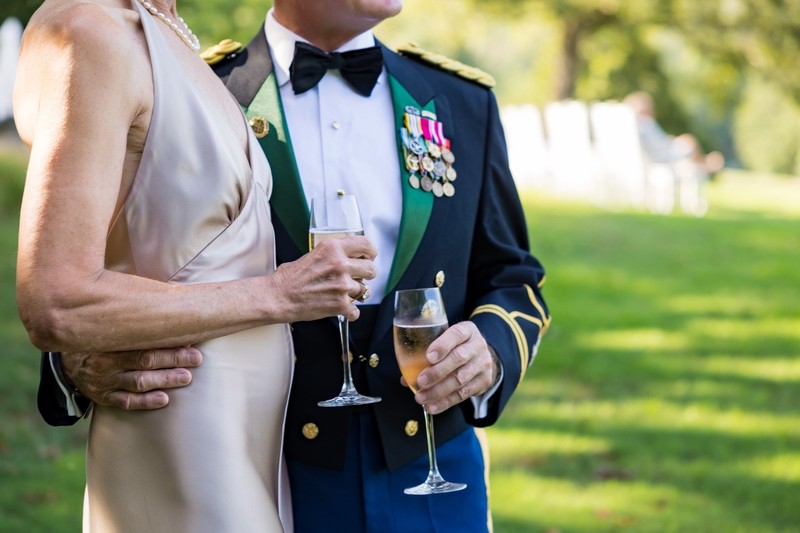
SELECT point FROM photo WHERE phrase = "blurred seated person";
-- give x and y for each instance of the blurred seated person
(683, 152)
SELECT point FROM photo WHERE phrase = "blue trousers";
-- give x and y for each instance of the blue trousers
(366, 497)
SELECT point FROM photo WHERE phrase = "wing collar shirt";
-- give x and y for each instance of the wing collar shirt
(345, 141)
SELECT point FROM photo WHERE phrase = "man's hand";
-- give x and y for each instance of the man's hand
(462, 365)
(130, 380)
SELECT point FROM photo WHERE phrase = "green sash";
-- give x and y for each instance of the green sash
(417, 204)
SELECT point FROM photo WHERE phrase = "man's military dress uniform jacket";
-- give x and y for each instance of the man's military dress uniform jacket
(472, 244)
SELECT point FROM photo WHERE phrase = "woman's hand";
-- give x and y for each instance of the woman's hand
(324, 282)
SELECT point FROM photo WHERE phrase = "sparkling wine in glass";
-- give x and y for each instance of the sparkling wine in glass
(336, 217)
(419, 318)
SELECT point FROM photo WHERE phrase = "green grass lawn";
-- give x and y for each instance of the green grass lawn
(664, 397)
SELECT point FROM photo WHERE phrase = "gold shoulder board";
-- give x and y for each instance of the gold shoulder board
(445, 63)
(214, 54)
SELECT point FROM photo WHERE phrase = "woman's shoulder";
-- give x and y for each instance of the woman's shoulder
(74, 51)
(90, 28)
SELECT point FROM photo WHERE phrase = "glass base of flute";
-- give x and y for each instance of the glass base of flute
(419, 318)
(435, 484)
(348, 395)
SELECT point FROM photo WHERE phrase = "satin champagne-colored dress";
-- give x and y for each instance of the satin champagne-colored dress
(198, 212)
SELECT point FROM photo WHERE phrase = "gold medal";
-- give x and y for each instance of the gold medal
(437, 189)
(426, 183)
(434, 150)
(448, 156)
(413, 180)
(427, 163)
(448, 189)
(451, 174)
(412, 162)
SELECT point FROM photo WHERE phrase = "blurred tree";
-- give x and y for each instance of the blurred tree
(767, 128)
(214, 20)
(763, 35)
(579, 21)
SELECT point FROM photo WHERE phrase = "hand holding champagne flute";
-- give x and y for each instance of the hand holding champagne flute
(336, 217)
(419, 318)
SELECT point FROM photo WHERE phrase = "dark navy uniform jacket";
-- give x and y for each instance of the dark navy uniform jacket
(473, 244)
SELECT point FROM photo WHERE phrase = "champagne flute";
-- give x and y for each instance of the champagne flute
(419, 318)
(336, 217)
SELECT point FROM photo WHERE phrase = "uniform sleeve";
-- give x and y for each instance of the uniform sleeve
(54, 399)
(505, 280)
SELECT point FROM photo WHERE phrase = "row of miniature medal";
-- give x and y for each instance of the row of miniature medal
(428, 158)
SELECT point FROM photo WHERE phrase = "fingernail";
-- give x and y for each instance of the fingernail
(433, 357)
(432, 409)
(422, 382)
(195, 358)
(184, 377)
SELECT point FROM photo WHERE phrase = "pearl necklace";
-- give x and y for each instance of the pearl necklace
(188, 38)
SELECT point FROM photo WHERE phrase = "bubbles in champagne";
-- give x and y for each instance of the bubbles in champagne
(411, 341)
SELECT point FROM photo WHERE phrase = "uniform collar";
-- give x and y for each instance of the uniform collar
(281, 42)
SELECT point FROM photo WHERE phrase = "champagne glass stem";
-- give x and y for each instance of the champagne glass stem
(434, 477)
(344, 334)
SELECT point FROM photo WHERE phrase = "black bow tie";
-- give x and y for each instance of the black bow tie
(360, 68)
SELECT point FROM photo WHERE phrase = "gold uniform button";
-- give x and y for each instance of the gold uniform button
(260, 127)
(374, 359)
(310, 431)
(439, 279)
(412, 426)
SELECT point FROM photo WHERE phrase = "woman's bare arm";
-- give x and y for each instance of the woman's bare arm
(78, 113)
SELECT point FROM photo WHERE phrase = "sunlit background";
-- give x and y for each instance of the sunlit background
(665, 395)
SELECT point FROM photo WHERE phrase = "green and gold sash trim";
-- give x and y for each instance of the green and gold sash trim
(417, 204)
(288, 199)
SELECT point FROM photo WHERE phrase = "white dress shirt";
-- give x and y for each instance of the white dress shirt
(339, 148)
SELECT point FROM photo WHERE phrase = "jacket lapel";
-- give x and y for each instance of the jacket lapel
(253, 84)
(288, 200)
(248, 70)
(421, 209)
(410, 90)
(417, 204)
